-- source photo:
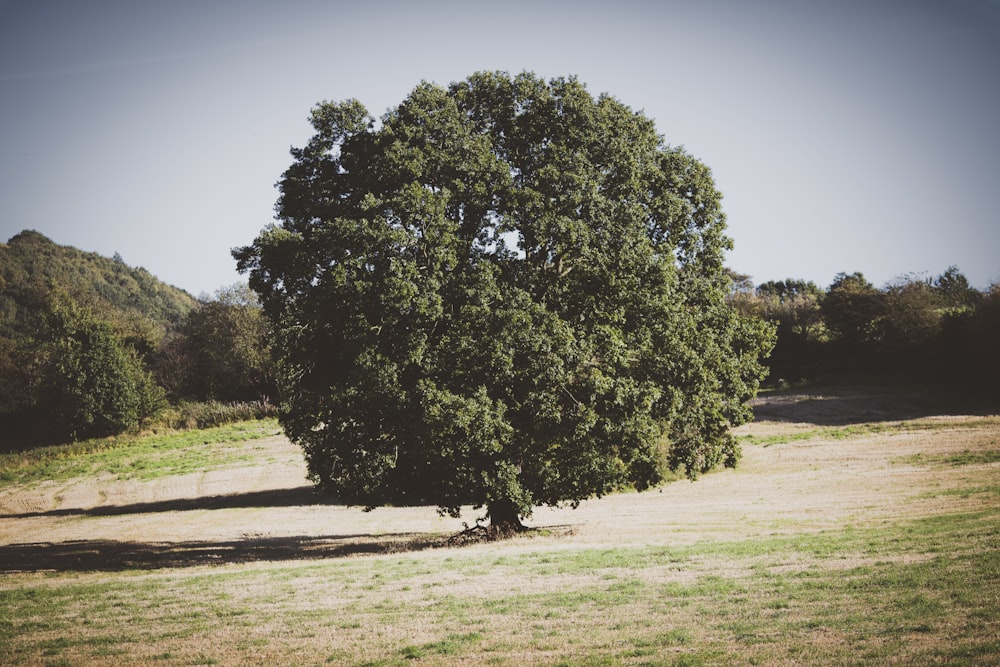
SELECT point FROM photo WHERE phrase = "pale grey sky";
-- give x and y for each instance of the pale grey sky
(845, 135)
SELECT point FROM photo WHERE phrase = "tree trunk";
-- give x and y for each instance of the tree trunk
(504, 518)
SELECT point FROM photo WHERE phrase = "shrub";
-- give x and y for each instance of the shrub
(192, 415)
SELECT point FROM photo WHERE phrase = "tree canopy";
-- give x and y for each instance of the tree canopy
(504, 293)
(917, 330)
(31, 264)
(89, 345)
(221, 351)
(96, 384)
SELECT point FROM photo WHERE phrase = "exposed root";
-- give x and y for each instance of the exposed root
(480, 533)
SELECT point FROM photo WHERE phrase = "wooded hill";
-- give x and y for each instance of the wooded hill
(32, 266)
(90, 346)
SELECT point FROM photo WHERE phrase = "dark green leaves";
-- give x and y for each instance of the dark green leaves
(507, 290)
(95, 384)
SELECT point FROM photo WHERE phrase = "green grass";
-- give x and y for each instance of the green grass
(954, 460)
(138, 457)
(921, 592)
(878, 590)
(852, 431)
(450, 645)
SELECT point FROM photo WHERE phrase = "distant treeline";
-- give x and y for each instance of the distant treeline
(91, 347)
(914, 329)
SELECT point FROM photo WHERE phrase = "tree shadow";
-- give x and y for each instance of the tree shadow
(113, 556)
(294, 497)
(837, 406)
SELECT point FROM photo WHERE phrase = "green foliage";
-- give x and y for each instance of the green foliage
(76, 333)
(31, 264)
(220, 352)
(913, 328)
(955, 291)
(95, 385)
(80, 335)
(795, 308)
(969, 342)
(208, 414)
(507, 292)
(910, 315)
(850, 308)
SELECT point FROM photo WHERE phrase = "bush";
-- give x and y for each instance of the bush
(96, 384)
(192, 415)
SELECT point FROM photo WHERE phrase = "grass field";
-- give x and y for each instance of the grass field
(846, 536)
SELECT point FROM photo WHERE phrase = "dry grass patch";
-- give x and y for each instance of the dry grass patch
(861, 546)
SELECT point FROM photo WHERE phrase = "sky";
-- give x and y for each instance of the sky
(845, 135)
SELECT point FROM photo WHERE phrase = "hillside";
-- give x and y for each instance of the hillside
(31, 265)
(78, 336)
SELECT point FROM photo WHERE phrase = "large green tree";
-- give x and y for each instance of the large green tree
(505, 293)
